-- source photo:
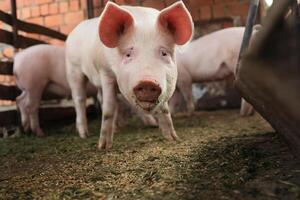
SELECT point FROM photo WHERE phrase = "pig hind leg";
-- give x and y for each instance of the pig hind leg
(77, 82)
(185, 87)
(21, 104)
(32, 108)
(246, 109)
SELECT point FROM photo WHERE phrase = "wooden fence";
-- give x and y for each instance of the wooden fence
(9, 115)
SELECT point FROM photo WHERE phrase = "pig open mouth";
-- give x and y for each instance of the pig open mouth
(147, 105)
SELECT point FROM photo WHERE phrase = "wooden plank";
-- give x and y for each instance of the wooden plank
(6, 68)
(32, 28)
(23, 42)
(9, 92)
(48, 116)
(8, 118)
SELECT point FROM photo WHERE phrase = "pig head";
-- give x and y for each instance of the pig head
(141, 44)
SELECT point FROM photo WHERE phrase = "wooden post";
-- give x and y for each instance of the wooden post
(14, 23)
(253, 7)
(90, 7)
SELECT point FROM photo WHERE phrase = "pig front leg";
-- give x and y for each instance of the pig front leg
(166, 124)
(109, 109)
(77, 82)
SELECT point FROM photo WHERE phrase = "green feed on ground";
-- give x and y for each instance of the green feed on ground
(221, 156)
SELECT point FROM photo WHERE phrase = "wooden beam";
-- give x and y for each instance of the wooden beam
(32, 28)
(48, 115)
(23, 42)
(90, 8)
(9, 92)
(6, 68)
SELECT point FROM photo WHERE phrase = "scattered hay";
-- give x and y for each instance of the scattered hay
(221, 156)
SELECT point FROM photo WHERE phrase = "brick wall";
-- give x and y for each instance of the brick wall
(63, 15)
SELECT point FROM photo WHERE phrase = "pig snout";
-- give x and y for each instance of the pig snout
(147, 93)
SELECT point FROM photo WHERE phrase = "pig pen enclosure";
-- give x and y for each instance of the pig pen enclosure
(220, 156)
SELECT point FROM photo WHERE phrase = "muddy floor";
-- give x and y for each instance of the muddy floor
(221, 156)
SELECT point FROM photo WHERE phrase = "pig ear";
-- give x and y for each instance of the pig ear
(114, 21)
(177, 19)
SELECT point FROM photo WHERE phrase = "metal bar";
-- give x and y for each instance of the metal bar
(253, 7)
(90, 7)
(14, 23)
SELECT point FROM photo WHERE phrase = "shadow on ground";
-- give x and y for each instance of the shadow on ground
(221, 156)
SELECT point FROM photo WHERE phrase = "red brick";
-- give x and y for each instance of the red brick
(26, 13)
(197, 3)
(35, 11)
(220, 11)
(226, 1)
(53, 8)
(98, 3)
(74, 17)
(83, 4)
(36, 20)
(238, 9)
(205, 13)
(5, 5)
(131, 2)
(53, 20)
(169, 2)
(39, 2)
(63, 7)
(19, 13)
(66, 29)
(154, 4)
(44, 9)
(195, 14)
(74, 5)
(22, 3)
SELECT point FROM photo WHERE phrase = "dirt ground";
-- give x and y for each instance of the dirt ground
(221, 156)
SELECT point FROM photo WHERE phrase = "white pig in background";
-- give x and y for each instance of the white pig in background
(209, 58)
(41, 69)
(130, 49)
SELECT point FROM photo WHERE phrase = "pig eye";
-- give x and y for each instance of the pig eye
(128, 53)
(163, 52)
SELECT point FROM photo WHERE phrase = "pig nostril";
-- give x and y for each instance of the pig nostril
(147, 91)
(153, 90)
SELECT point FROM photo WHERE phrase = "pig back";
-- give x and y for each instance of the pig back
(204, 56)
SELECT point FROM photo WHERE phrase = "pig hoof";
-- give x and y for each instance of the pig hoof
(83, 132)
(40, 133)
(247, 113)
(172, 137)
(103, 145)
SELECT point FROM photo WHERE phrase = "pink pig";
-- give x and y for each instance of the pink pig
(130, 49)
(209, 58)
(40, 69)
